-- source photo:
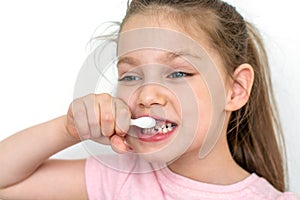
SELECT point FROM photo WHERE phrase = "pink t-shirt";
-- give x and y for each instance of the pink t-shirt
(106, 183)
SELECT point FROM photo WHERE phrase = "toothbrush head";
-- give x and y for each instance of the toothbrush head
(143, 122)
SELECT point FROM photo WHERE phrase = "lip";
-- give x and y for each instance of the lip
(158, 136)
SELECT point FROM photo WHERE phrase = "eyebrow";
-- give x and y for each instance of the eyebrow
(166, 57)
(128, 60)
(181, 53)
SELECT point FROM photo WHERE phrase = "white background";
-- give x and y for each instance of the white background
(43, 45)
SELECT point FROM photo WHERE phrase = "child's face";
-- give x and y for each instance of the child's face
(166, 86)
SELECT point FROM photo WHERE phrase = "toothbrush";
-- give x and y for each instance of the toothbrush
(143, 122)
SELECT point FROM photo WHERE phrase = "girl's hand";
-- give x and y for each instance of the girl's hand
(99, 117)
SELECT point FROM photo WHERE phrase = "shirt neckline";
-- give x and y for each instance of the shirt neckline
(185, 182)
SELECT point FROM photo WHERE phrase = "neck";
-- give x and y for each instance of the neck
(211, 168)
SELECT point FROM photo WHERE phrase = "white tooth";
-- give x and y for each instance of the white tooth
(169, 125)
(163, 126)
(164, 130)
(170, 128)
(153, 131)
(159, 129)
(146, 131)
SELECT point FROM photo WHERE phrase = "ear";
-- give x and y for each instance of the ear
(239, 87)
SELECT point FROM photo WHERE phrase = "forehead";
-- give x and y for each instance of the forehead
(139, 21)
(173, 36)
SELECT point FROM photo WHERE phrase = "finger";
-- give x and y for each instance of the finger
(80, 119)
(123, 116)
(92, 110)
(102, 140)
(107, 121)
(117, 144)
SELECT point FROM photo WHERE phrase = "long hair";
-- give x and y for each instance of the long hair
(254, 133)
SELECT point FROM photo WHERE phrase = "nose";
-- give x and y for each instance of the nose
(150, 95)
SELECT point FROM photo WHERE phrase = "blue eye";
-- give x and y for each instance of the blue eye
(130, 78)
(178, 75)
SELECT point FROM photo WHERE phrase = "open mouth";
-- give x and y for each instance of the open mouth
(161, 131)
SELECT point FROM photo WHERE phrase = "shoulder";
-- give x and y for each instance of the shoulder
(107, 167)
(102, 175)
(261, 187)
(116, 176)
(288, 196)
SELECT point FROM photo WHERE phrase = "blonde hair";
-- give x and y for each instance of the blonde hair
(254, 133)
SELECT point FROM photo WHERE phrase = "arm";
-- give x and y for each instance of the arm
(26, 170)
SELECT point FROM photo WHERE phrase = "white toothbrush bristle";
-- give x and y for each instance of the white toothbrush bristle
(144, 122)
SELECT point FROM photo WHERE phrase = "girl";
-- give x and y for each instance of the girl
(241, 159)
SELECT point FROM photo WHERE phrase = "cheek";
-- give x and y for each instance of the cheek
(202, 98)
(125, 93)
(203, 109)
(121, 93)
(204, 103)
